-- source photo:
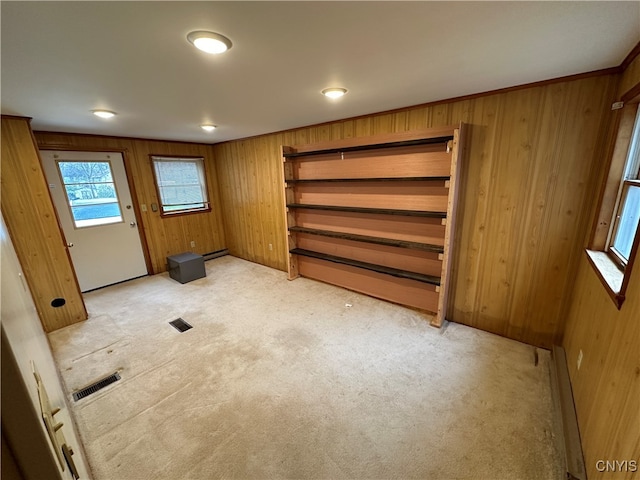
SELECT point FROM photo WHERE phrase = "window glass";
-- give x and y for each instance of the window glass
(627, 222)
(627, 216)
(181, 184)
(91, 193)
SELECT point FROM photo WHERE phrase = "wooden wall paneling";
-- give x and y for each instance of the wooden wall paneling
(530, 153)
(542, 182)
(163, 236)
(469, 257)
(630, 77)
(344, 144)
(230, 188)
(566, 220)
(418, 119)
(254, 194)
(224, 153)
(510, 173)
(34, 228)
(347, 127)
(270, 203)
(606, 388)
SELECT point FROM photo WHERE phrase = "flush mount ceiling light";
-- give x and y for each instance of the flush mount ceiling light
(209, 42)
(334, 92)
(103, 113)
(208, 127)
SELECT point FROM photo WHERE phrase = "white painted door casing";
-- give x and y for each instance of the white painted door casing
(102, 254)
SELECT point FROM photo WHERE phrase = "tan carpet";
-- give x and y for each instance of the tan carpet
(281, 379)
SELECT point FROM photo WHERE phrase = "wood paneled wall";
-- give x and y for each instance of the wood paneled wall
(532, 159)
(163, 236)
(606, 389)
(33, 226)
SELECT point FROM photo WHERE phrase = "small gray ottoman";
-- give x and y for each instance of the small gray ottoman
(185, 267)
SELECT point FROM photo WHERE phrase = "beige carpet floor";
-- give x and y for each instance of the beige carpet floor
(298, 379)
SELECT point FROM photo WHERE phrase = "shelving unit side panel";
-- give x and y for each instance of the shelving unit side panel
(398, 290)
(427, 196)
(452, 204)
(289, 216)
(411, 229)
(427, 263)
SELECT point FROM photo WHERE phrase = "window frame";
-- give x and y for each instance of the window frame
(611, 249)
(612, 270)
(67, 200)
(204, 185)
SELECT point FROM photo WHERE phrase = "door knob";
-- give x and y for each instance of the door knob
(133, 224)
(69, 244)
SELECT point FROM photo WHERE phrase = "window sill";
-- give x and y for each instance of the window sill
(609, 274)
(179, 213)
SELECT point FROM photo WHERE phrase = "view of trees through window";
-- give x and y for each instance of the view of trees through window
(91, 192)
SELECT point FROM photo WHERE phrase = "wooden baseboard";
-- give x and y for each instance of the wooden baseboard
(565, 412)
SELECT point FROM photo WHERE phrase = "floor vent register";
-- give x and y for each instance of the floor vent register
(180, 325)
(93, 388)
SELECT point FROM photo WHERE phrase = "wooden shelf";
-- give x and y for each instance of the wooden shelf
(375, 146)
(369, 266)
(384, 211)
(376, 214)
(369, 239)
(379, 179)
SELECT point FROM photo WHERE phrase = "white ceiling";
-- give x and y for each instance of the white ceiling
(62, 59)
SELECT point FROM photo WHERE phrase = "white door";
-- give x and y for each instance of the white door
(91, 194)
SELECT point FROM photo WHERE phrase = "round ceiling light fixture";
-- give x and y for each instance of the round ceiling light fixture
(209, 42)
(208, 127)
(334, 92)
(104, 113)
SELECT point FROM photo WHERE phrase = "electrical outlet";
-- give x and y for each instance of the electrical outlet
(270, 246)
(580, 355)
(193, 244)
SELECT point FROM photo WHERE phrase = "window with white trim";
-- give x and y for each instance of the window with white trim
(615, 238)
(627, 214)
(181, 184)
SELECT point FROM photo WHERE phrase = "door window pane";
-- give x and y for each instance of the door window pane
(91, 193)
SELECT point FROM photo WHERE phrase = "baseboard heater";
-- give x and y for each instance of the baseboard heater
(565, 415)
(216, 254)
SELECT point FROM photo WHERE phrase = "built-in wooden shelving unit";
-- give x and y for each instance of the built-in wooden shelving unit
(376, 214)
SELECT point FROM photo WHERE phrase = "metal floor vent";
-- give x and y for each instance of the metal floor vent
(99, 385)
(180, 325)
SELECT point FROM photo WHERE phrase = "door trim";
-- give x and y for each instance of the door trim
(132, 189)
